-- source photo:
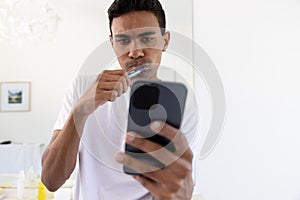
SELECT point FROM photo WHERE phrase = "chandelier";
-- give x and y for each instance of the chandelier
(27, 20)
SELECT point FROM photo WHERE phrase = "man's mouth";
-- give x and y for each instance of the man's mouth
(137, 63)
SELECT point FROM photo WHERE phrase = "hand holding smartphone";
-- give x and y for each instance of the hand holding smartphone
(152, 100)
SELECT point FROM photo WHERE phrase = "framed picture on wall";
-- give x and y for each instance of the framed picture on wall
(15, 96)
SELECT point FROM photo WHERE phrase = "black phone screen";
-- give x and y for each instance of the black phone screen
(149, 101)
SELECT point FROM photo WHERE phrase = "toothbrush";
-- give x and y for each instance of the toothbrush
(135, 71)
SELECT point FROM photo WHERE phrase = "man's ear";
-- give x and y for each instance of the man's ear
(166, 40)
(111, 40)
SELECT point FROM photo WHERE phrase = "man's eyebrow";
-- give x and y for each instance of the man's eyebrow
(147, 33)
(121, 36)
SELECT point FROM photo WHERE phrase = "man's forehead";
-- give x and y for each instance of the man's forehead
(138, 32)
(134, 21)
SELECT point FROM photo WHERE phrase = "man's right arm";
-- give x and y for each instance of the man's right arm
(59, 158)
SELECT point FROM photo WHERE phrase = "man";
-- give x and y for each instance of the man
(92, 123)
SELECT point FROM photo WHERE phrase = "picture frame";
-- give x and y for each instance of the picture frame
(15, 96)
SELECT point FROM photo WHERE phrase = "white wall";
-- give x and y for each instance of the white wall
(256, 48)
(50, 66)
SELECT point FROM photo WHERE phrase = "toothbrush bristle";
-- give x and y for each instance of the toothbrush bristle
(136, 70)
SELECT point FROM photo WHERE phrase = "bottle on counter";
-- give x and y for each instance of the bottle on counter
(21, 185)
(31, 183)
(42, 191)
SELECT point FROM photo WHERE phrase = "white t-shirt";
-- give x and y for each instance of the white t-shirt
(99, 176)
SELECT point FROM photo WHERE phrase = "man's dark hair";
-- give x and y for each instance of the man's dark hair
(120, 7)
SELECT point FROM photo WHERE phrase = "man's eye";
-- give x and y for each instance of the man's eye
(147, 39)
(123, 41)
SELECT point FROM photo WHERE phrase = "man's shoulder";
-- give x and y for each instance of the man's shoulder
(81, 83)
(81, 80)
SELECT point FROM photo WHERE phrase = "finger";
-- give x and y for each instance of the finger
(115, 72)
(119, 88)
(175, 135)
(172, 172)
(154, 149)
(108, 95)
(154, 188)
(109, 77)
(107, 85)
(124, 83)
(164, 129)
(135, 164)
(170, 132)
(128, 80)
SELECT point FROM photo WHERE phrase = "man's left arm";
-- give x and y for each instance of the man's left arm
(174, 181)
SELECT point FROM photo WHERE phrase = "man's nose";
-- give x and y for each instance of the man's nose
(136, 51)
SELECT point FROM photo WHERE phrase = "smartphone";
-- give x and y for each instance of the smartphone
(152, 100)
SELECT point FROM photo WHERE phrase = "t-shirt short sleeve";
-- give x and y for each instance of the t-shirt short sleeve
(190, 124)
(75, 91)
